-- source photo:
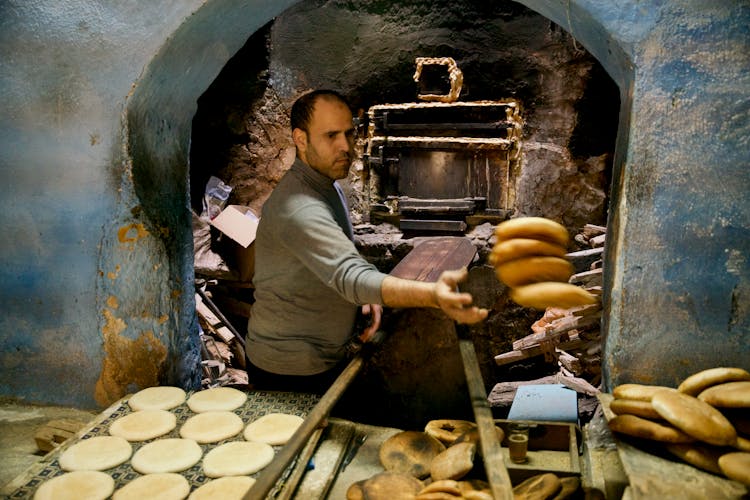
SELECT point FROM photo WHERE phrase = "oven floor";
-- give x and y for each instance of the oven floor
(18, 424)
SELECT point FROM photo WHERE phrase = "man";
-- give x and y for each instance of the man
(309, 277)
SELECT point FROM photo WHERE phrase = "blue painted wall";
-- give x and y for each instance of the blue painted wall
(95, 116)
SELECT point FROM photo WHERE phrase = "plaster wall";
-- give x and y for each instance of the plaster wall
(95, 125)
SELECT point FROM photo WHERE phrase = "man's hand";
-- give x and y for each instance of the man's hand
(375, 311)
(453, 303)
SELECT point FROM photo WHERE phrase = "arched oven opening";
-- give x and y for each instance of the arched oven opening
(530, 132)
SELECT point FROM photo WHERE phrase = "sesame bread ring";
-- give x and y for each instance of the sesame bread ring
(448, 430)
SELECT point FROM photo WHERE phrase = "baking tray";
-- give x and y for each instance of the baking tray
(258, 404)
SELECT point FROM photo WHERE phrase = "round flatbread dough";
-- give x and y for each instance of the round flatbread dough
(694, 417)
(166, 486)
(648, 429)
(701, 456)
(224, 488)
(77, 485)
(698, 382)
(96, 453)
(216, 399)
(633, 407)
(157, 398)
(448, 430)
(212, 426)
(238, 458)
(143, 425)
(166, 455)
(638, 392)
(410, 452)
(736, 465)
(273, 428)
(729, 395)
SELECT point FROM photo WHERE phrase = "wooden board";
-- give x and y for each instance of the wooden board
(434, 255)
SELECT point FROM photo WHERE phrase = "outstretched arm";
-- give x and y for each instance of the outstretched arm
(401, 293)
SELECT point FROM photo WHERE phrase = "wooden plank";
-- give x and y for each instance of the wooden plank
(433, 256)
(494, 462)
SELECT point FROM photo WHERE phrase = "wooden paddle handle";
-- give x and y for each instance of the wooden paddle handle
(284, 457)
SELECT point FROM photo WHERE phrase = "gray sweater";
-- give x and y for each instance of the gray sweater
(309, 278)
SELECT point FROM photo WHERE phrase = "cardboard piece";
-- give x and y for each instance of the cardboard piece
(240, 224)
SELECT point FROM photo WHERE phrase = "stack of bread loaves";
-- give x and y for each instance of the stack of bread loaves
(439, 464)
(529, 257)
(704, 421)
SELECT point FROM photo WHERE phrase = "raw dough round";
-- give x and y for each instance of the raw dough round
(143, 425)
(729, 395)
(224, 488)
(694, 417)
(410, 452)
(212, 426)
(698, 382)
(736, 465)
(238, 458)
(273, 428)
(648, 429)
(77, 485)
(166, 455)
(216, 399)
(166, 486)
(157, 398)
(96, 453)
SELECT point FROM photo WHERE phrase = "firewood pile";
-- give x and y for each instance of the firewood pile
(570, 338)
(222, 348)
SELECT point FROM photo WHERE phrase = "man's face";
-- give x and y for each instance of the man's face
(328, 145)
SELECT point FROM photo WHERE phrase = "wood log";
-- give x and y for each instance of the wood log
(55, 432)
(570, 362)
(598, 241)
(566, 325)
(587, 278)
(591, 230)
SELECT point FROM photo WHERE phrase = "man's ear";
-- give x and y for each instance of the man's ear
(299, 137)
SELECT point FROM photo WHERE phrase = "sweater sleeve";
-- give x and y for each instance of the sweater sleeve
(314, 237)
